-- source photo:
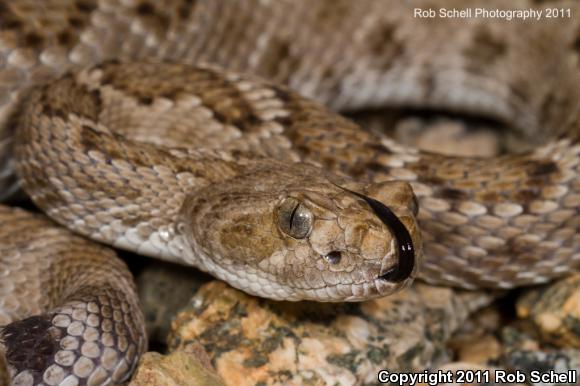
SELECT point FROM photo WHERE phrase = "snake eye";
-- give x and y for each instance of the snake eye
(294, 218)
(333, 257)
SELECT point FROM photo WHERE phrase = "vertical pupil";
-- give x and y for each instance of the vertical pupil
(292, 215)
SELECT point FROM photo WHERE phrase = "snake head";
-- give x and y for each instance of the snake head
(299, 234)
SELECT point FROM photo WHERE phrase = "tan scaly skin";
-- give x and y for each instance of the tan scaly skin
(260, 186)
(60, 326)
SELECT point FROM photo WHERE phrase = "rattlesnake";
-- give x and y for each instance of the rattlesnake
(263, 188)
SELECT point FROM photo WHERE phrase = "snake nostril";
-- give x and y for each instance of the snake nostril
(333, 257)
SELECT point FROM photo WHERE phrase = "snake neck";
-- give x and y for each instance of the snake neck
(127, 193)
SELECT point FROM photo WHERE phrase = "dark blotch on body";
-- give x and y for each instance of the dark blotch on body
(279, 51)
(431, 180)
(145, 100)
(33, 40)
(332, 13)
(520, 90)
(526, 196)
(216, 93)
(385, 47)
(186, 8)
(485, 51)
(377, 167)
(66, 97)
(491, 197)
(145, 9)
(8, 19)
(85, 6)
(65, 38)
(543, 169)
(76, 22)
(452, 194)
(539, 174)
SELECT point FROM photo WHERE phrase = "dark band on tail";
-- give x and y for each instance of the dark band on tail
(30, 345)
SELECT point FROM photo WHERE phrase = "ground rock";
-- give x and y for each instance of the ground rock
(554, 310)
(254, 341)
(522, 352)
(180, 368)
(476, 342)
(164, 289)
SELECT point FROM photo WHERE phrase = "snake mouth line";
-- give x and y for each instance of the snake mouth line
(406, 252)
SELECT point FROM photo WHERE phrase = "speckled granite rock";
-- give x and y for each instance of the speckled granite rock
(164, 289)
(485, 350)
(255, 341)
(475, 342)
(555, 311)
(522, 352)
(180, 368)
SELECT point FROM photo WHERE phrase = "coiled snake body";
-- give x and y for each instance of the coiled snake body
(261, 187)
